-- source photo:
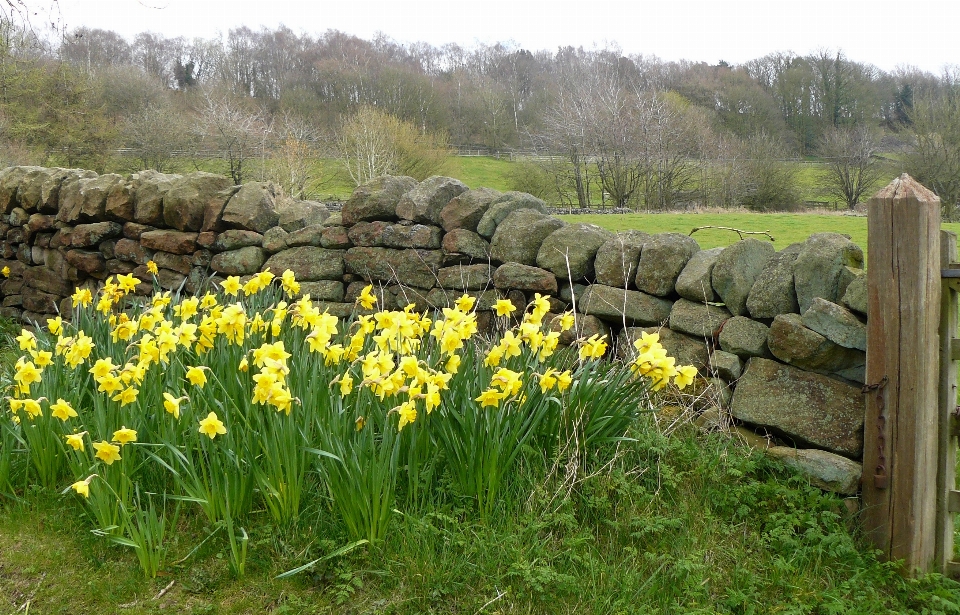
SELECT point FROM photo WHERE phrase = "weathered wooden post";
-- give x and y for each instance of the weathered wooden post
(901, 439)
(948, 498)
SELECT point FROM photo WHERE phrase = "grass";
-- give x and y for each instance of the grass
(679, 524)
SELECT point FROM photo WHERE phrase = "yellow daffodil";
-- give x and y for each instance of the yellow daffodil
(360, 422)
(593, 347)
(124, 435)
(152, 268)
(82, 487)
(346, 385)
(244, 365)
(564, 380)
(102, 368)
(408, 414)
(172, 404)
(75, 441)
(288, 281)
(453, 364)
(367, 299)
(106, 452)
(27, 373)
(82, 297)
(5, 271)
(684, 376)
(548, 380)
(231, 286)
(28, 341)
(465, 303)
(504, 307)
(196, 376)
(212, 426)
(32, 407)
(567, 320)
(126, 396)
(42, 358)
(55, 325)
(62, 410)
(490, 397)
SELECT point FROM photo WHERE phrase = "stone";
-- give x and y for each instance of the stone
(46, 280)
(120, 202)
(200, 258)
(115, 266)
(133, 230)
(466, 242)
(235, 239)
(186, 202)
(308, 263)
(712, 419)
(663, 258)
(685, 349)
(616, 261)
(410, 267)
(107, 248)
(792, 342)
(213, 222)
(335, 238)
(726, 365)
(818, 269)
(50, 189)
(466, 209)
(169, 280)
(427, 199)
(295, 214)
(29, 188)
(465, 277)
(736, 269)
(86, 235)
(253, 207)
(855, 296)
(504, 205)
(808, 408)
(177, 242)
(514, 276)
(323, 290)
(205, 239)
(750, 438)
(773, 291)
(618, 305)
(520, 234)
(695, 281)
(377, 199)
(242, 261)
(274, 240)
(149, 188)
(368, 234)
(412, 236)
(744, 337)
(10, 179)
(87, 261)
(572, 292)
(825, 470)
(40, 222)
(569, 251)
(94, 193)
(697, 319)
(836, 323)
(19, 216)
(131, 251)
(40, 302)
(307, 236)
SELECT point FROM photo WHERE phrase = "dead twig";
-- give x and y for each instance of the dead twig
(164, 590)
(739, 232)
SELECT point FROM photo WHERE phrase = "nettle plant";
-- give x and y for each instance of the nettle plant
(237, 401)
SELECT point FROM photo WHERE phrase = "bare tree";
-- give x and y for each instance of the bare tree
(293, 160)
(934, 159)
(373, 143)
(236, 133)
(158, 133)
(853, 168)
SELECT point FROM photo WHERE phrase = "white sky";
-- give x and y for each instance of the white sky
(886, 33)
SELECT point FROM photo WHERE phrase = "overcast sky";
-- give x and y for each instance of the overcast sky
(921, 33)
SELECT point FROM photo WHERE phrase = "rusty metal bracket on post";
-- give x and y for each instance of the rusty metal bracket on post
(880, 478)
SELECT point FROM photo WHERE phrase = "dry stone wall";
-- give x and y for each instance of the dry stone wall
(777, 336)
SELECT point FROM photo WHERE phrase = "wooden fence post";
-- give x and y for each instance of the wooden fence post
(901, 439)
(947, 459)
